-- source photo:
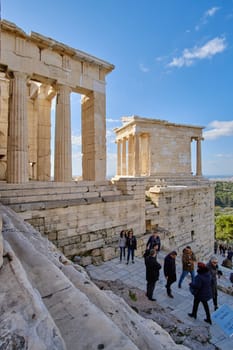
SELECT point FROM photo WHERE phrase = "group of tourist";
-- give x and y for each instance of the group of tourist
(226, 251)
(128, 241)
(203, 284)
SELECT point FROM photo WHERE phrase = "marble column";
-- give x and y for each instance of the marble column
(136, 155)
(63, 161)
(118, 157)
(94, 135)
(130, 155)
(199, 161)
(44, 99)
(123, 166)
(17, 142)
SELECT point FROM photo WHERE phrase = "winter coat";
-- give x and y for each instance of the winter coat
(213, 271)
(202, 285)
(188, 259)
(152, 269)
(131, 242)
(152, 241)
(169, 268)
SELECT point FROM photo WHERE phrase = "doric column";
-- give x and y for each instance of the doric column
(45, 95)
(17, 143)
(123, 156)
(62, 161)
(94, 135)
(199, 165)
(136, 155)
(118, 157)
(130, 155)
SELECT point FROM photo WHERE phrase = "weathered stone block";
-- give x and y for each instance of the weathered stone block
(1, 243)
(108, 253)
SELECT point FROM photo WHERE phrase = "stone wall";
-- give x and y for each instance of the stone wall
(84, 219)
(186, 213)
(1, 243)
(88, 222)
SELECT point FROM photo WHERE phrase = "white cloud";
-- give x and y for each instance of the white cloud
(228, 155)
(211, 12)
(190, 56)
(143, 68)
(111, 136)
(218, 129)
(109, 120)
(76, 140)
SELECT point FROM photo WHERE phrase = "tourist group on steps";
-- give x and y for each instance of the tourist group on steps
(203, 284)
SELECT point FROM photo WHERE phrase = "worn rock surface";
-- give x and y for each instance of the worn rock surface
(194, 338)
(1, 243)
(47, 302)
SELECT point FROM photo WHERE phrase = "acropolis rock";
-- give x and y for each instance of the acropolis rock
(56, 305)
(1, 243)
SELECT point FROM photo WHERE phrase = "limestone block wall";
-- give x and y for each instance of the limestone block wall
(91, 228)
(1, 243)
(186, 213)
(171, 150)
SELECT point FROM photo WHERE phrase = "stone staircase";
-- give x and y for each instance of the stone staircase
(150, 210)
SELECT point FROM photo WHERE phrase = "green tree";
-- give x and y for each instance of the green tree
(224, 227)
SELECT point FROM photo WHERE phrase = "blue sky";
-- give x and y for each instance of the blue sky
(173, 61)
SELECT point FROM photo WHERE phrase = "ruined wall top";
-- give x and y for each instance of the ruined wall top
(140, 124)
(47, 60)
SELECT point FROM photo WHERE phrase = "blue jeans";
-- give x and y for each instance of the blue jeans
(184, 274)
(122, 253)
(130, 252)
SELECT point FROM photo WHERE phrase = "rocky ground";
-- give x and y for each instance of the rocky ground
(196, 338)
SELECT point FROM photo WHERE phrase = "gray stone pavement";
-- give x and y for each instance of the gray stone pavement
(134, 275)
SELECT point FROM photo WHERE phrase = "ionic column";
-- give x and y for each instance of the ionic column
(62, 161)
(118, 157)
(136, 155)
(148, 155)
(199, 165)
(123, 156)
(17, 142)
(130, 155)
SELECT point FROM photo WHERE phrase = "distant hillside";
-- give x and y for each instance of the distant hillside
(224, 194)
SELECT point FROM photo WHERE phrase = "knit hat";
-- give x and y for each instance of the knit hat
(214, 258)
(201, 265)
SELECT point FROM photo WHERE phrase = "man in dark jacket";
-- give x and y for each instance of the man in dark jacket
(202, 291)
(153, 242)
(169, 269)
(215, 272)
(152, 273)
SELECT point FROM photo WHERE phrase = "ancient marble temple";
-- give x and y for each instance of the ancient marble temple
(155, 187)
(34, 69)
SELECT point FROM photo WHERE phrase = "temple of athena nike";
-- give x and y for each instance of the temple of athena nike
(154, 187)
